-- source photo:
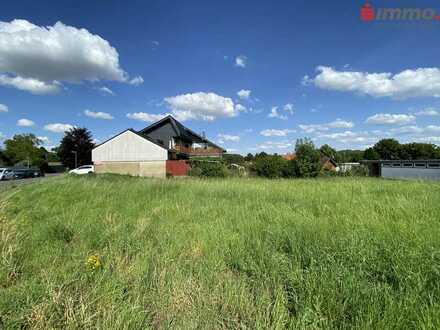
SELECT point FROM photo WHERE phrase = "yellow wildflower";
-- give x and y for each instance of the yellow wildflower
(93, 262)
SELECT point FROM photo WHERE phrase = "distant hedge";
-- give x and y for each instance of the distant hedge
(208, 169)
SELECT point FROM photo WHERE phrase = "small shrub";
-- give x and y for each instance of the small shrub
(195, 171)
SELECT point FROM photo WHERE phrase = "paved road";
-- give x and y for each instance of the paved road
(27, 181)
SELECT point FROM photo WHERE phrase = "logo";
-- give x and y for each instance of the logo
(368, 14)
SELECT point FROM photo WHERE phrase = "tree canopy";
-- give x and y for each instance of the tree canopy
(79, 141)
(307, 158)
(233, 159)
(25, 149)
(392, 149)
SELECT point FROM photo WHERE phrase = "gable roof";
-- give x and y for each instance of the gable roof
(325, 159)
(132, 131)
(182, 131)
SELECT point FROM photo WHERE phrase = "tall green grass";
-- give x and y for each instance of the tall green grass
(234, 253)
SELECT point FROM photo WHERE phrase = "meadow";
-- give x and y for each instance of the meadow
(115, 252)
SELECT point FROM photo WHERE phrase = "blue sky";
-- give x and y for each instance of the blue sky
(309, 68)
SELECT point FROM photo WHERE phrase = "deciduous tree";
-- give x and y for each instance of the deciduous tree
(388, 149)
(24, 148)
(307, 158)
(79, 141)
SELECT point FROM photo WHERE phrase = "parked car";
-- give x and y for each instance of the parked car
(85, 169)
(26, 173)
(6, 174)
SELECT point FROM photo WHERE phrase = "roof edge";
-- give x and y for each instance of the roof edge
(173, 123)
(133, 131)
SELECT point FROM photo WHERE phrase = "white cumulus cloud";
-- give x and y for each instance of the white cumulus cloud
(244, 94)
(275, 114)
(427, 112)
(241, 61)
(201, 106)
(4, 108)
(390, 119)
(338, 123)
(58, 127)
(240, 108)
(30, 85)
(289, 108)
(43, 139)
(410, 129)
(276, 132)
(270, 145)
(350, 137)
(226, 137)
(38, 58)
(421, 82)
(25, 122)
(98, 115)
(105, 90)
(146, 117)
(136, 81)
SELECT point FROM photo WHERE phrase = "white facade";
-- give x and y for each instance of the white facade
(128, 147)
(344, 167)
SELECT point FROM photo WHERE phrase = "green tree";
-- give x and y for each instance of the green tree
(271, 166)
(329, 152)
(249, 157)
(350, 156)
(388, 149)
(307, 161)
(260, 155)
(24, 148)
(79, 141)
(418, 151)
(3, 158)
(233, 159)
(371, 154)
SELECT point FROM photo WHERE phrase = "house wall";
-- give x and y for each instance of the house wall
(156, 169)
(128, 153)
(128, 147)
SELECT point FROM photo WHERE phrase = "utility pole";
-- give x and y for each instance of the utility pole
(76, 158)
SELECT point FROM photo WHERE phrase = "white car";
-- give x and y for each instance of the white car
(85, 169)
(6, 174)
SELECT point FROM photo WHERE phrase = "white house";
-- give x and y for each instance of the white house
(149, 151)
(130, 153)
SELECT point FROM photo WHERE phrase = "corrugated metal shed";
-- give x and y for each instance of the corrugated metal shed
(427, 169)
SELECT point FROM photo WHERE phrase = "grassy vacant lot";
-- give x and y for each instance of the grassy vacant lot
(238, 253)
